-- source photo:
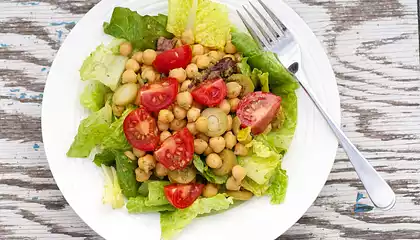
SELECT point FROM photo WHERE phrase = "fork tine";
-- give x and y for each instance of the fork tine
(254, 35)
(274, 34)
(274, 17)
(260, 28)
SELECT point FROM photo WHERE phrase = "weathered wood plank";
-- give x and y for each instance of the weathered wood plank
(373, 47)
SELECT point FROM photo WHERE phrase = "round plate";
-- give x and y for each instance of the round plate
(308, 161)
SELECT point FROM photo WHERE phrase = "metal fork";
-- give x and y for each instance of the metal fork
(278, 39)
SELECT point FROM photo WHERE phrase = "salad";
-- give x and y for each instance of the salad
(188, 114)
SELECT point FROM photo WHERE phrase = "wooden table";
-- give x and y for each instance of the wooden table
(373, 47)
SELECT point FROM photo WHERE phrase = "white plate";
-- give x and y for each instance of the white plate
(308, 161)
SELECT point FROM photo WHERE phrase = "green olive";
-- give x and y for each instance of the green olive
(236, 125)
(217, 121)
(183, 176)
(244, 81)
(228, 162)
(240, 195)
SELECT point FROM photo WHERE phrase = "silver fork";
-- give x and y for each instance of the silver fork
(278, 39)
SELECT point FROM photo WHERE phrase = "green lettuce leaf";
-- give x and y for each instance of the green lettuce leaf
(207, 173)
(172, 223)
(144, 189)
(138, 205)
(91, 132)
(141, 31)
(257, 189)
(106, 157)
(261, 79)
(245, 44)
(126, 174)
(103, 66)
(208, 20)
(260, 169)
(112, 192)
(244, 135)
(115, 137)
(93, 96)
(245, 69)
(156, 195)
(278, 186)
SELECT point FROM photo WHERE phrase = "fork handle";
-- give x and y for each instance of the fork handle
(379, 191)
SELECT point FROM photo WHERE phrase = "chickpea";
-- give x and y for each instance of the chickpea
(139, 153)
(184, 100)
(221, 54)
(230, 140)
(229, 56)
(130, 155)
(210, 190)
(149, 56)
(179, 73)
(208, 151)
(194, 59)
(232, 184)
(202, 124)
(203, 62)
(164, 135)
(117, 110)
(230, 48)
(133, 65)
(179, 112)
(191, 70)
(206, 50)
(236, 125)
(203, 136)
(240, 150)
(142, 176)
(187, 37)
(197, 49)
(147, 163)
(177, 124)
(185, 86)
(145, 67)
(149, 75)
(234, 104)
(200, 146)
(224, 106)
(238, 57)
(229, 123)
(193, 114)
(214, 56)
(213, 160)
(191, 127)
(160, 170)
(129, 76)
(125, 48)
(217, 144)
(239, 173)
(233, 89)
(165, 116)
(162, 126)
(138, 56)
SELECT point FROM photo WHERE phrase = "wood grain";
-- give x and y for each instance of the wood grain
(374, 50)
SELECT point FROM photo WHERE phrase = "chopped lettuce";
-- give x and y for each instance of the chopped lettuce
(245, 69)
(172, 223)
(261, 79)
(245, 44)
(278, 186)
(91, 132)
(112, 191)
(144, 189)
(103, 66)
(138, 205)
(141, 31)
(156, 196)
(208, 20)
(207, 173)
(115, 137)
(244, 135)
(126, 174)
(257, 189)
(93, 96)
(106, 157)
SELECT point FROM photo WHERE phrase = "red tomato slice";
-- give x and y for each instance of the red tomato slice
(210, 92)
(175, 58)
(158, 95)
(176, 152)
(140, 130)
(257, 110)
(183, 195)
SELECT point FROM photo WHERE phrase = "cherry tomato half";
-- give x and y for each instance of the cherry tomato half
(257, 110)
(183, 195)
(158, 95)
(174, 58)
(176, 152)
(210, 92)
(140, 130)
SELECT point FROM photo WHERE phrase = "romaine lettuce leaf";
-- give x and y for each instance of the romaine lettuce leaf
(115, 137)
(207, 173)
(257, 189)
(138, 205)
(178, 15)
(278, 186)
(141, 31)
(245, 44)
(103, 66)
(245, 69)
(126, 174)
(112, 191)
(156, 195)
(91, 132)
(106, 157)
(173, 222)
(93, 96)
(261, 79)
